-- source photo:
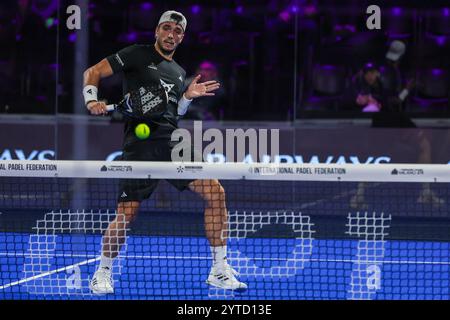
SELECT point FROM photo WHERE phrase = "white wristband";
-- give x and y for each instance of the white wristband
(403, 94)
(183, 105)
(90, 93)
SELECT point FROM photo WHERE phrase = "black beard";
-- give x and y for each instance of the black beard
(164, 51)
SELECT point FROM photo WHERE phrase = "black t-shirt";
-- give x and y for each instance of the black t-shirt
(391, 79)
(142, 65)
(361, 87)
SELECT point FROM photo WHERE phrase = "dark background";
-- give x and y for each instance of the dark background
(277, 59)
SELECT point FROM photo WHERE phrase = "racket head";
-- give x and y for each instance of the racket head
(145, 103)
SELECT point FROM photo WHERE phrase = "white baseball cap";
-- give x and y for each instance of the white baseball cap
(396, 50)
(173, 16)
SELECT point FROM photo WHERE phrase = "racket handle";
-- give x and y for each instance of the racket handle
(111, 107)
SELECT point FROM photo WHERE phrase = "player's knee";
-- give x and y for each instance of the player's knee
(214, 191)
(127, 211)
(217, 190)
(217, 186)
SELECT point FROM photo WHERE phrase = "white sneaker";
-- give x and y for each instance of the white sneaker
(234, 272)
(102, 282)
(224, 277)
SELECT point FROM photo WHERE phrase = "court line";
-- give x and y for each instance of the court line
(21, 254)
(196, 258)
(48, 273)
(58, 255)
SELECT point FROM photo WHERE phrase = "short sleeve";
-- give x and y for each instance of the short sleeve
(124, 60)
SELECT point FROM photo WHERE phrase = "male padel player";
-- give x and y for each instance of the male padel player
(145, 65)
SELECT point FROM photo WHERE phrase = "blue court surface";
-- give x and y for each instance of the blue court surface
(177, 267)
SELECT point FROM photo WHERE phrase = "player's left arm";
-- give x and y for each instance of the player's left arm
(196, 90)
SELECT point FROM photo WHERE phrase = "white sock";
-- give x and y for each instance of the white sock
(106, 262)
(219, 254)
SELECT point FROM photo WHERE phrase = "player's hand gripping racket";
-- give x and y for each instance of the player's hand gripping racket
(144, 103)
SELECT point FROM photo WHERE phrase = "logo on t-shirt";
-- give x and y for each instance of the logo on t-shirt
(166, 86)
(119, 60)
(152, 66)
(148, 100)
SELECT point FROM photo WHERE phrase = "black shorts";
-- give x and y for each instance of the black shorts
(141, 189)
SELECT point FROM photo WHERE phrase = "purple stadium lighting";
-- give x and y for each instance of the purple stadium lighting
(284, 15)
(131, 37)
(239, 9)
(195, 9)
(146, 6)
(436, 72)
(294, 9)
(446, 12)
(440, 40)
(72, 37)
(396, 11)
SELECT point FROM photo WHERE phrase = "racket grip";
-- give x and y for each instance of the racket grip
(111, 107)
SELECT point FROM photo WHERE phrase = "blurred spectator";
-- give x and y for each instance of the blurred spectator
(207, 108)
(387, 99)
(271, 37)
(391, 75)
(396, 94)
(367, 91)
(392, 78)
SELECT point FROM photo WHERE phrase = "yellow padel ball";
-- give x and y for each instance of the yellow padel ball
(142, 131)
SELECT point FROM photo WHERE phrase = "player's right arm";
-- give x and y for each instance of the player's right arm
(91, 80)
(126, 60)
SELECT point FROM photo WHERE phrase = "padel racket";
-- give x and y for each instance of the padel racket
(148, 102)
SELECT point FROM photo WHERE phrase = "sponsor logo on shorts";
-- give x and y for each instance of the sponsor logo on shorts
(180, 169)
(116, 168)
(409, 172)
